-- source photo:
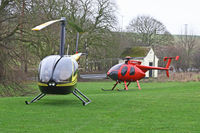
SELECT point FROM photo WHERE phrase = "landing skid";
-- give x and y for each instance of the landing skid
(76, 92)
(38, 97)
(105, 89)
(111, 89)
(125, 88)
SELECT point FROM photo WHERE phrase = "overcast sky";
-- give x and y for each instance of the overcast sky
(174, 14)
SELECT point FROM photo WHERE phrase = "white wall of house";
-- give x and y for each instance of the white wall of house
(121, 61)
(151, 58)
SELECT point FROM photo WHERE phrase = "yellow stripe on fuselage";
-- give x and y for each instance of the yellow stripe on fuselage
(68, 84)
(74, 81)
(42, 84)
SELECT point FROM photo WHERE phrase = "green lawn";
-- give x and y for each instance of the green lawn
(172, 107)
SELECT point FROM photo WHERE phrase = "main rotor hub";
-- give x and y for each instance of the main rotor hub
(127, 59)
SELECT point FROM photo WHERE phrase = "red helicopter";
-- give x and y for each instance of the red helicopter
(132, 71)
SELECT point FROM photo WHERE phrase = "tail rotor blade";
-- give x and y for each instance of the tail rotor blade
(177, 57)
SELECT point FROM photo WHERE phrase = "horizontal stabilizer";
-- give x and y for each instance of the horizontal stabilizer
(166, 58)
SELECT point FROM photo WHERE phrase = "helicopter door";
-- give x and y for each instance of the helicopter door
(124, 70)
(132, 71)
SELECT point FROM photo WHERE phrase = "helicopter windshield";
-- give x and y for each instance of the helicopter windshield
(55, 68)
(116, 67)
(63, 70)
(75, 64)
(46, 67)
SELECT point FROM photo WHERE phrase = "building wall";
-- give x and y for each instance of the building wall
(151, 58)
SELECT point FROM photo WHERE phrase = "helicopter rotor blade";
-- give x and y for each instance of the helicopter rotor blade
(41, 26)
(127, 58)
(72, 24)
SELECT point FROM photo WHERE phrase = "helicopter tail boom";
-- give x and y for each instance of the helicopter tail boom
(146, 68)
(76, 56)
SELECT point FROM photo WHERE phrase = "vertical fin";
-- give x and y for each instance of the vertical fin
(169, 62)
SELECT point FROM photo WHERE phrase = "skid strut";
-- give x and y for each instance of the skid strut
(138, 84)
(38, 97)
(112, 88)
(126, 86)
(76, 92)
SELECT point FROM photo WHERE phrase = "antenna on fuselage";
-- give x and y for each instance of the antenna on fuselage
(127, 59)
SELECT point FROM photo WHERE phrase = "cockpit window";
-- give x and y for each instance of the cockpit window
(124, 70)
(116, 67)
(132, 71)
(46, 67)
(63, 70)
(56, 68)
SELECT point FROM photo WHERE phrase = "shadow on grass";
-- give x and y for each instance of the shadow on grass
(59, 102)
(56, 101)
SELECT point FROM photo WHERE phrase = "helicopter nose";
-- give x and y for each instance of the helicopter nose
(113, 75)
(51, 83)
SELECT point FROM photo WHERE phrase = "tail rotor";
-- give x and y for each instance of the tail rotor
(169, 62)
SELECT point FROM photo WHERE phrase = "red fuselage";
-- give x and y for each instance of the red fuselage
(126, 72)
(132, 71)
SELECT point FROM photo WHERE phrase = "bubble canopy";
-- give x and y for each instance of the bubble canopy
(116, 67)
(57, 68)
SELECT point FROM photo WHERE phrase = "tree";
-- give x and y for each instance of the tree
(187, 44)
(196, 59)
(95, 19)
(149, 31)
(172, 51)
(9, 59)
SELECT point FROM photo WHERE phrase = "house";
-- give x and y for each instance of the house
(146, 56)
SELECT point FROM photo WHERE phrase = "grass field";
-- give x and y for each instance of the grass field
(172, 107)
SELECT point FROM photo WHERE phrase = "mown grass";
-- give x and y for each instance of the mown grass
(171, 107)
